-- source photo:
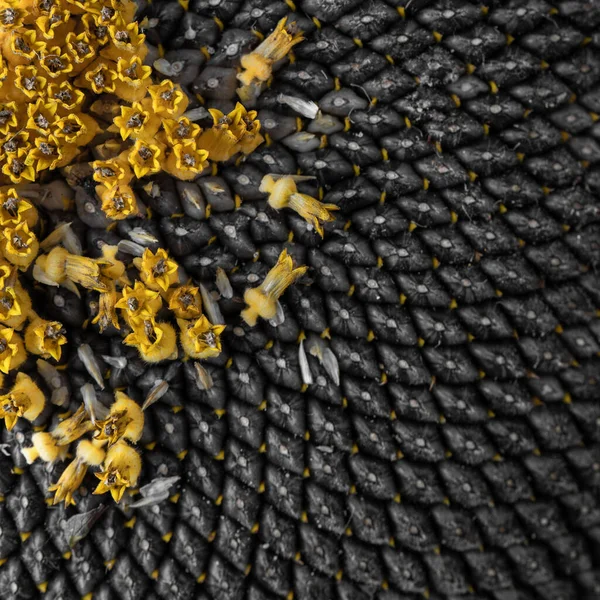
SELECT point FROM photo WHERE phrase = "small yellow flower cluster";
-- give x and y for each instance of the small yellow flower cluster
(53, 53)
(140, 304)
(109, 447)
(163, 139)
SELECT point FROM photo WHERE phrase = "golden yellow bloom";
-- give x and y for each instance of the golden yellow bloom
(99, 77)
(22, 47)
(96, 31)
(19, 246)
(51, 153)
(18, 167)
(200, 338)
(221, 140)
(145, 158)
(168, 99)
(29, 82)
(8, 117)
(80, 50)
(121, 470)
(12, 350)
(125, 41)
(186, 161)
(88, 454)
(68, 98)
(15, 142)
(14, 210)
(139, 303)
(45, 338)
(259, 63)
(56, 63)
(284, 193)
(157, 271)
(15, 304)
(112, 172)
(77, 129)
(125, 421)
(78, 7)
(118, 202)
(262, 300)
(155, 341)
(182, 130)
(41, 114)
(107, 314)
(185, 302)
(56, 24)
(11, 16)
(137, 123)
(133, 79)
(24, 400)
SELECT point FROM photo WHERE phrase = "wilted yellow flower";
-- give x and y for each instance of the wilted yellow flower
(8, 117)
(133, 79)
(185, 302)
(99, 77)
(118, 202)
(18, 167)
(154, 341)
(200, 338)
(15, 210)
(121, 470)
(139, 303)
(88, 455)
(110, 267)
(259, 63)
(168, 99)
(112, 172)
(45, 338)
(125, 421)
(19, 245)
(125, 41)
(284, 193)
(137, 123)
(12, 350)
(251, 138)
(73, 427)
(157, 271)
(80, 50)
(145, 158)
(22, 47)
(262, 300)
(25, 400)
(186, 161)
(178, 131)
(107, 314)
(84, 271)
